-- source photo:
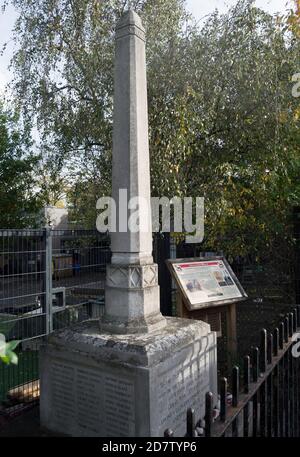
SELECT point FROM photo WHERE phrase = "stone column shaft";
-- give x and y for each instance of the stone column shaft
(132, 302)
(131, 169)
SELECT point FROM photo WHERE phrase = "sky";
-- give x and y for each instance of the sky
(199, 8)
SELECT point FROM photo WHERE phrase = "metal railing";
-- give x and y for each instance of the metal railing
(268, 402)
(49, 279)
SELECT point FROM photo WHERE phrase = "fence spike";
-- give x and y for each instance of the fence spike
(270, 348)
(276, 341)
(246, 374)
(190, 423)
(291, 324)
(281, 335)
(263, 350)
(209, 398)
(255, 364)
(235, 386)
(295, 320)
(223, 393)
(286, 329)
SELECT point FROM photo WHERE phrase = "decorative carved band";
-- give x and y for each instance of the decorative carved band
(132, 277)
(130, 30)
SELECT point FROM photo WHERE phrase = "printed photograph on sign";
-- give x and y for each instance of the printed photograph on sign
(207, 281)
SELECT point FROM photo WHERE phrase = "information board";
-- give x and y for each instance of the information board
(206, 282)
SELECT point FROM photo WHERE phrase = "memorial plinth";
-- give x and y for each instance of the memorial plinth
(109, 386)
(134, 373)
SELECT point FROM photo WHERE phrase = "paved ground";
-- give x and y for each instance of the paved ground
(26, 424)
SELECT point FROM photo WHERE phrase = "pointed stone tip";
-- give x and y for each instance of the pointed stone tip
(130, 17)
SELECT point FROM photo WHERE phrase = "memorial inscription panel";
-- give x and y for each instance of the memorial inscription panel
(97, 403)
(181, 387)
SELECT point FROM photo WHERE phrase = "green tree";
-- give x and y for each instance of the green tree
(64, 81)
(223, 122)
(52, 182)
(243, 146)
(19, 202)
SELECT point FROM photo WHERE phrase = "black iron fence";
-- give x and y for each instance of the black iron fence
(265, 393)
(296, 217)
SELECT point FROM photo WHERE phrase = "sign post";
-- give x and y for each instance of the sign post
(206, 287)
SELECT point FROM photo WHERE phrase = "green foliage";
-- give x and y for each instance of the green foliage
(19, 202)
(7, 354)
(223, 122)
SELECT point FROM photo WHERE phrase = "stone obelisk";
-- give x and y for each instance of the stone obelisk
(132, 293)
(138, 373)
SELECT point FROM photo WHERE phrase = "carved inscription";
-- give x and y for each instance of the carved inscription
(181, 388)
(93, 402)
(89, 402)
(62, 386)
(119, 406)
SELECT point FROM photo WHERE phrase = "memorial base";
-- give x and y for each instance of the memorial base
(106, 385)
